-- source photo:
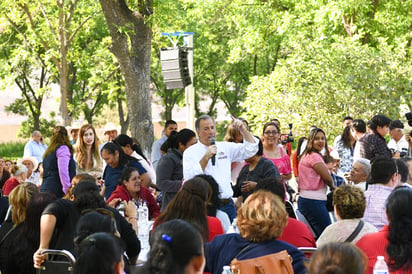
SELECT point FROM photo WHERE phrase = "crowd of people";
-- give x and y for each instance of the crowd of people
(211, 202)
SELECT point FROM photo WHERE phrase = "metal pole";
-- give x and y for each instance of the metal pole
(190, 90)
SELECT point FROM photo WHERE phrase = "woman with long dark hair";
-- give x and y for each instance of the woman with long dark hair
(189, 204)
(58, 164)
(295, 156)
(27, 240)
(394, 241)
(59, 220)
(345, 147)
(169, 170)
(100, 253)
(314, 178)
(117, 161)
(132, 149)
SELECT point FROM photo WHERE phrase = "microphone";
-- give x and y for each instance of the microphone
(212, 141)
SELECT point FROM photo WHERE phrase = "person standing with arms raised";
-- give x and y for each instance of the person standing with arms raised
(215, 158)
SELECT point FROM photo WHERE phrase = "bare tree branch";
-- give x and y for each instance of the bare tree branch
(47, 20)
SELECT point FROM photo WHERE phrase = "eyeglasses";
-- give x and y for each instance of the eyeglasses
(271, 133)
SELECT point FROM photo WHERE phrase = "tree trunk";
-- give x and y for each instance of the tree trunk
(131, 44)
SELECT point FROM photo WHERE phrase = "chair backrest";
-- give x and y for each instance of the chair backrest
(63, 263)
(302, 218)
(332, 217)
(290, 208)
(308, 251)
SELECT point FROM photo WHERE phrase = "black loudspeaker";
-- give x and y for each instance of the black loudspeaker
(175, 67)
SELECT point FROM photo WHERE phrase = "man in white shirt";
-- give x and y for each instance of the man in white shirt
(208, 157)
(397, 144)
(170, 126)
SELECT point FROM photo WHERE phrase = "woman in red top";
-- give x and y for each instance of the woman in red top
(394, 241)
(20, 176)
(130, 188)
(189, 204)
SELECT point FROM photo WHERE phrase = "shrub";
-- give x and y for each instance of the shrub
(12, 150)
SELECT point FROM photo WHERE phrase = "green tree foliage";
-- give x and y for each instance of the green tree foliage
(46, 126)
(320, 85)
(68, 40)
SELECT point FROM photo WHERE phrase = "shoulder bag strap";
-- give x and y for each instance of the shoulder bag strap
(6, 235)
(243, 250)
(355, 232)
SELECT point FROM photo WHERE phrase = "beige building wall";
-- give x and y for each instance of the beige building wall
(9, 133)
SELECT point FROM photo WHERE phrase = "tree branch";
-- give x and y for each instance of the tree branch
(71, 10)
(77, 30)
(47, 20)
(26, 41)
(93, 89)
(44, 44)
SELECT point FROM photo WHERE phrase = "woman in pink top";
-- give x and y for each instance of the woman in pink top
(314, 177)
(275, 152)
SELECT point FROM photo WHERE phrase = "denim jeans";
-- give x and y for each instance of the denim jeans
(316, 213)
(230, 209)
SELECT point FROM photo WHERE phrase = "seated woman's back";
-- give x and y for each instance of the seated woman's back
(261, 220)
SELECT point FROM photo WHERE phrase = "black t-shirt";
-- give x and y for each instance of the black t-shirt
(67, 215)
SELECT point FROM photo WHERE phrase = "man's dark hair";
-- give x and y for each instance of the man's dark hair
(170, 122)
(379, 121)
(203, 117)
(347, 118)
(382, 170)
(396, 124)
(359, 125)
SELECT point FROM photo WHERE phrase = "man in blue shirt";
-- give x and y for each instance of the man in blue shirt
(36, 147)
(156, 153)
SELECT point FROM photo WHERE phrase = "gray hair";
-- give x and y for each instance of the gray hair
(20, 168)
(366, 165)
(203, 117)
